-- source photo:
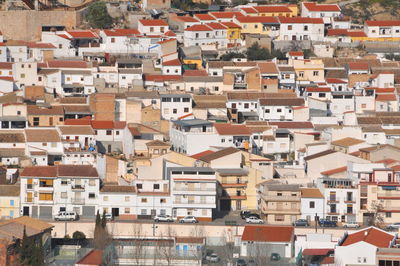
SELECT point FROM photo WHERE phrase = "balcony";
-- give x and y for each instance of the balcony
(240, 86)
(78, 201)
(233, 185)
(78, 188)
(281, 198)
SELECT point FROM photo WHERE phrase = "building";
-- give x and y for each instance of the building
(174, 106)
(312, 204)
(9, 201)
(47, 190)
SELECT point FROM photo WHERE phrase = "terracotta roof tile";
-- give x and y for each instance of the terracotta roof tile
(386, 97)
(358, 66)
(315, 7)
(265, 233)
(83, 34)
(94, 257)
(198, 28)
(347, 142)
(311, 193)
(296, 53)
(272, 9)
(282, 101)
(187, 19)
(319, 154)
(161, 78)
(257, 19)
(153, 22)
(225, 14)
(42, 135)
(37, 110)
(232, 129)
(202, 154)
(334, 171)
(204, 17)
(292, 124)
(383, 22)
(302, 20)
(371, 235)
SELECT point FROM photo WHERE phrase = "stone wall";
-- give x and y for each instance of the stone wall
(27, 24)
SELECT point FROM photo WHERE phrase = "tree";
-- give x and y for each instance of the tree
(78, 235)
(229, 56)
(376, 218)
(98, 16)
(101, 237)
(38, 254)
(26, 249)
(256, 52)
(104, 220)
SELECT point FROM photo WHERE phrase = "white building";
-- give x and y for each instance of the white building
(152, 26)
(174, 106)
(278, 108)
(325, 11)
(194, 191)
(299, 28)
(47, 190)
(382, 29)
(311, 204)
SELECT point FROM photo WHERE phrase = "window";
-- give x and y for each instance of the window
(108, 132)
(11, 202)
(117, 132)
(315, 73)
(197, 35)
(163, 212)
(156, 186)
(312, 204)
(112, 40)
(279, 110)
(267, 111)
(139, 186)
(279, 218)
(151, 29)
(63, 195)
(305, 28)
(105, 198)
(222, 140)
(64, 182)
(186, 109)
(161, 29)
(45, 196)
(289, 27)
(321, 94)
(363, 105)
(22, 76)
(61, 119)
(143, 211)
(127, 198)
(92, 195)
(163, 200)
(246, 105)
(92, 182)
(143, 200)
(301, 74)
(185, 100)
(388, 215)
(176, 100)
(127, 210)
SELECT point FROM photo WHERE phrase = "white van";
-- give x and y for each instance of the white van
(66, 216)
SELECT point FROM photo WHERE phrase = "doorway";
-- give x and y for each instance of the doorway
(25, 211)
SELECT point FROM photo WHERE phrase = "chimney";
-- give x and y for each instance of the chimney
(366, 233)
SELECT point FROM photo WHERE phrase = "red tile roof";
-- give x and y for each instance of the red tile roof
(231, 25)
(272, 9)
(358, 66)
(335, 80)
(198, 28)
(257, 19)
(318, 7)
(83, 34)
(225, 14)
(371, 235)
(201, 154)
(334, 171)
(356, 34)
(174, 62)
(94, 257)
(386, 97)
(40, 45)
(337, 32)
(301, 20)
(40, 171)
(317, 89)
(5, 65)
(317, 251)
(204, 17)
(78, 122)
(64, 36)
(249, 10)
(7, 79)
(187, 19)
(296, 53)
(381, 90)
(170, 34)
(160, 78)
(153, 22)
(266, 233)
(383, 22)
(168, 40)
(232, 129)
(100, 124)
(216, 26)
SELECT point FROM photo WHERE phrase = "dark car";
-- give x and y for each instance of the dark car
(275, 256)
(327, 223)
(241, 262)
(247, 214)
(301, 222)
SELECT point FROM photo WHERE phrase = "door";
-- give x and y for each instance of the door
(45, 211)
(185, 249)
(88, 211)
(109, 148)
(238, 205)
(25, 211)
(86, 141)
(50, 121)
(173, 212)
(115, 212)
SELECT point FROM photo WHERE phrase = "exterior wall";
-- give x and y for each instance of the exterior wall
(356, 254)
(308, 212)
(9, 207)
(46, 120)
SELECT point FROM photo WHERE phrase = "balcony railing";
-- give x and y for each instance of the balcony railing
(78, 187)
(241, 184)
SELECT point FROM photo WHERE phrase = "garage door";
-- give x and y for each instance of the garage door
(34, 211)
(45, 211)
(88, 211)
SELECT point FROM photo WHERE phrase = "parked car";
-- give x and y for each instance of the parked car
(351, 225)
(66, 216)
(188, 219)
(301, 222)
(241, 262)
(275, 256)
(212, 257)
(163, 218)
(327, 223)
(393, 226)
(246, 214)
(109, 217)
(254, 220)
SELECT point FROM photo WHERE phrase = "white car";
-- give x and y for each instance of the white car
(66, 216)
(212, 257)
(254, 220)
(394, 226)
(188, 219)
(351, 225)
(163, 218)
